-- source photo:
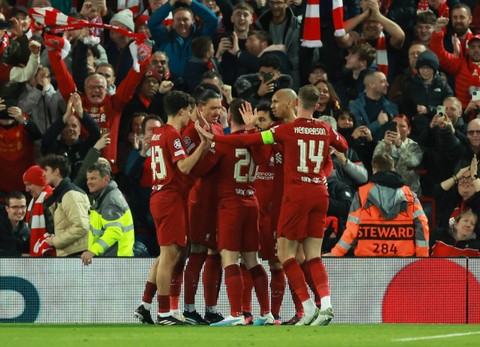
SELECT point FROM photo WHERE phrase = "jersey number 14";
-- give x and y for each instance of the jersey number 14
(311, 152)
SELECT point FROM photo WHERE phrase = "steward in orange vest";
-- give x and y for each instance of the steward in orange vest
(386, 218)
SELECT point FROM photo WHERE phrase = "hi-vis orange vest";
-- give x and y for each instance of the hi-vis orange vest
(404, 236)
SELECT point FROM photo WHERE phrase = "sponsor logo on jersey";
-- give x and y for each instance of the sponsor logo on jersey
(385, 232)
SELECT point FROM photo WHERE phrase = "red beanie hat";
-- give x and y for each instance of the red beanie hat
(35, 175)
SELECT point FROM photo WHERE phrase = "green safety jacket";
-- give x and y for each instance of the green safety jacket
(111, 224)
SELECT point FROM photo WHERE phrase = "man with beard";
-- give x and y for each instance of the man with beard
(456, 40)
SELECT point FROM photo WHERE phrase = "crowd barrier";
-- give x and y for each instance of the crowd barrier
(363, 290)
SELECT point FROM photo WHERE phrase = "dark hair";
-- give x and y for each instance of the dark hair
(262, 36)
(270, 61)
(243, 6)
(331, 89)
(426, 17)
(234, 111)
(103, 168)
(365, 52)
(383, 162)
(14, 195)
(175, 101)
(266, 106)
(308, 96)
(105, 65)
(147, 118)
(205, 91)
(461, 5)
(60, 162)
(211, 74)
(201, 46)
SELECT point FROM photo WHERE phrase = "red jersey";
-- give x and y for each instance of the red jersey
(109, 112)
(204, 188)
(306, 145)
(167, 149)
(237, 170)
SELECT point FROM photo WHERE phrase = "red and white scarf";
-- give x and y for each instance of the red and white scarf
(423, 6)
(36, 222)
(312, 31)
(382, 56)
(4, 43)
(59, 23)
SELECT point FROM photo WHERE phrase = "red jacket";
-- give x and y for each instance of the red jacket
(460, 67)
(108, 113)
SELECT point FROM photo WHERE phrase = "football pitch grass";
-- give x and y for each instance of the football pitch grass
(335, 335)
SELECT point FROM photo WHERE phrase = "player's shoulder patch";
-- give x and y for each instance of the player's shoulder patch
(177, 143)
(187, 141)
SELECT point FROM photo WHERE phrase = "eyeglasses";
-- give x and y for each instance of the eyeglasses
(473, 132)
(464, 179)
(15, 207)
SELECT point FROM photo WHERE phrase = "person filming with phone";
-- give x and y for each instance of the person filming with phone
(406, 153)
(262, 85)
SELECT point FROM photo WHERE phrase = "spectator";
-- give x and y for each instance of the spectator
(107, 71)
(177, 41)
(359, 138)
(358, 61)
(262, 85)
(111, 223)
(426, 91)
(14, 233)
(387, 44)
(284, 28)
(105, 109)
(385, 202)
(451, 200)
(328, 104)
(424, 27)
(464, 67)
(139, 173)
(459, 33)
(159, 62)
(371, 108)
(460, 240)
(201, 61)
(69, 208)
(245, 60)
(400, 86)
(318, 72)
(446, 139)
(36, 185)
(117, 49)
(68, 127)
(348, 167)
(17, 136)
(406, 153)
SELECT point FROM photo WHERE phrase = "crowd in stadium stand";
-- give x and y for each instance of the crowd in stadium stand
(78, 107)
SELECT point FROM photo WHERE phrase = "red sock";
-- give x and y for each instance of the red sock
(296, 279)
(149, 292)
(247, 289)
(234, 282)
(260, 282)
(176, 285)
(212, 278)
(309, 279)
(296, 302)
(277, 289)
(319, 276)
(163, 303)
(192, 275)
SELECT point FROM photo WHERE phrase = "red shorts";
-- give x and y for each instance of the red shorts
(202, 224)
(237, 227)
(168, 212)
(302, 217)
